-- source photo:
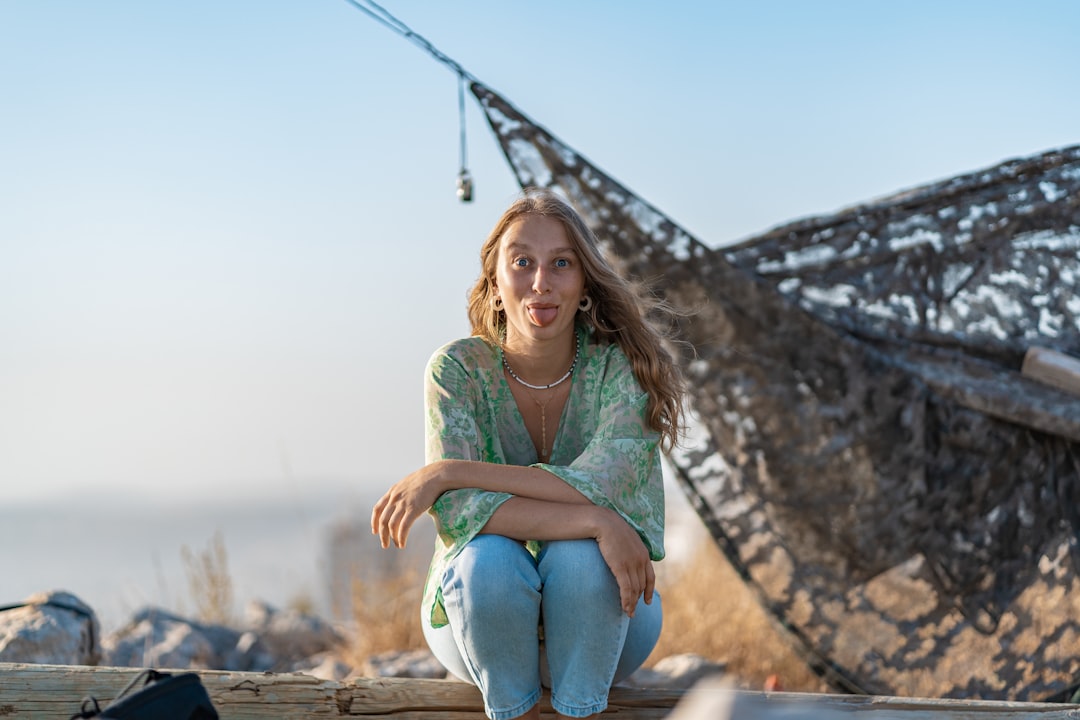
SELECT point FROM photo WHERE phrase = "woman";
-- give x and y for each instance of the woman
(543, 474)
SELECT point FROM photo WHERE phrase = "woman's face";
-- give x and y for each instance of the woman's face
(540, 279)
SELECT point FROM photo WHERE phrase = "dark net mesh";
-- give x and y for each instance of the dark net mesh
(864, 448)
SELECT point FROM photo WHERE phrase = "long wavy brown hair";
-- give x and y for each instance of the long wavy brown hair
(620, 310)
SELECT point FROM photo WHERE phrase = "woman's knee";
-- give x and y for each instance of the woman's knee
(577, 566)
(492, 570)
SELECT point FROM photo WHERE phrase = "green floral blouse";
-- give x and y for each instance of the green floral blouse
(603, 446)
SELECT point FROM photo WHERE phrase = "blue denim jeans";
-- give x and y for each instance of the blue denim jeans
(496, 595)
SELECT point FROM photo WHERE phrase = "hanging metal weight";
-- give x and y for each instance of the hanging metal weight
(464, 186)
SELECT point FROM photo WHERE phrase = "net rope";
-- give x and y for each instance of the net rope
(864, 448)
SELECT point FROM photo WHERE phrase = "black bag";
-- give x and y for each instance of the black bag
(163, 696)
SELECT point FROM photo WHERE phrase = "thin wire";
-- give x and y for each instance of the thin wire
(461, 114)
(380, 15)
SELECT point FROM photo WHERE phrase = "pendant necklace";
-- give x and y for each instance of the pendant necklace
(542, 453)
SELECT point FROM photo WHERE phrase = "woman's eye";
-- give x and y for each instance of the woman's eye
(562, 263)
(521, 262)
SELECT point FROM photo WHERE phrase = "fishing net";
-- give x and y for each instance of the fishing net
(864, 447)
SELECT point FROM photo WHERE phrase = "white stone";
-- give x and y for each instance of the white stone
(50, 628)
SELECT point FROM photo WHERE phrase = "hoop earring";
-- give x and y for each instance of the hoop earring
(496, 303)
(586, 304)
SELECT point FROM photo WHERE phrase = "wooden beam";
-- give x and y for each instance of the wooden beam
(54, 692)
(1053, 368)
(715, 700)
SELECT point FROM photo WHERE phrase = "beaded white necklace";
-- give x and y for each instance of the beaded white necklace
(577, 352)
(542, 453)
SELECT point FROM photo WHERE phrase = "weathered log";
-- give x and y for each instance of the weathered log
(50, 692)
(713, 700)
(1053, 368)
(54, 692)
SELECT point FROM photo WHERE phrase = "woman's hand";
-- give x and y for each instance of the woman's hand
(393, 516)
(628, 559)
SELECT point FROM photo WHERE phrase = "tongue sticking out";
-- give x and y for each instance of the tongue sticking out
(543, 316)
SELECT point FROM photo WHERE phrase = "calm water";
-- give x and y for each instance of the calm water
(121, 555)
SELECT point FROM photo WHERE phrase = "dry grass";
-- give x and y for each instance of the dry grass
(209, 581)
(709, 611)
(386, 615)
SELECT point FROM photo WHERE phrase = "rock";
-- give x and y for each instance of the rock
(250, 654)
(277, 641)
(404, 664)
(675, 672)
(325, 666)
(50, 628)
(290, 636)
(157, 638)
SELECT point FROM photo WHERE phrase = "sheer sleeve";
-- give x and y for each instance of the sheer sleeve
(452, 402)
(620, 466)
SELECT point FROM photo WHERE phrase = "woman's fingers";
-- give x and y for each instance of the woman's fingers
(376, 513)
(398, 524)
(627, 596)
(628, 559)
(402, 526)
(396, 511)
(643, 584)
(378, 522)
(390, 520)
(632, 581)
(629, 600)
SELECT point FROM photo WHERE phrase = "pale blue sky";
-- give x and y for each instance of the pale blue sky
(229, 239)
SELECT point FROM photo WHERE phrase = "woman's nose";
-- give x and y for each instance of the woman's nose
(540, 281)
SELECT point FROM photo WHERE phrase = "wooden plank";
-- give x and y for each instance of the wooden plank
(713, 700)
(1053, 368)
(54, 692)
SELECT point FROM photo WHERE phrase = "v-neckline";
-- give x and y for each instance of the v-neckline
(509, 396)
